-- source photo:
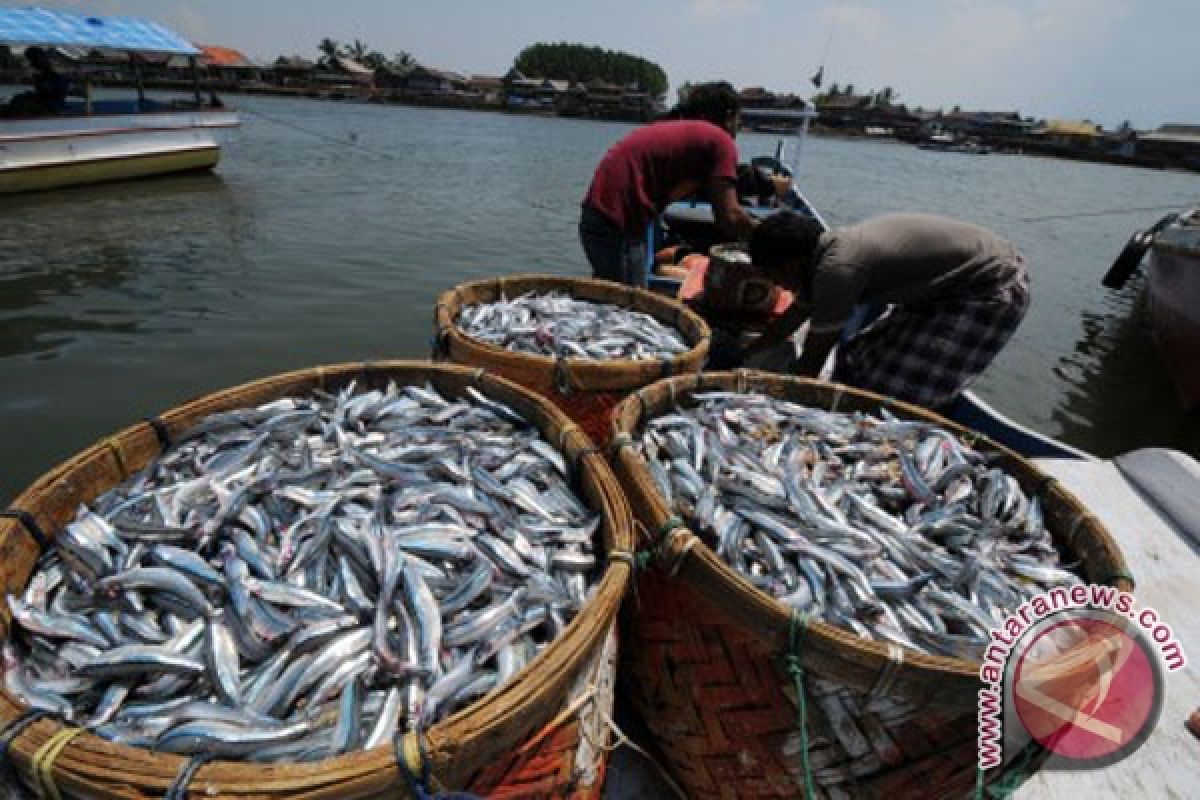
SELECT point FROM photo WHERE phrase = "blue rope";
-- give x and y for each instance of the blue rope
(419, 785)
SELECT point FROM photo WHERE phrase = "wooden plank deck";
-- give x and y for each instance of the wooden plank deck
(1165, 563)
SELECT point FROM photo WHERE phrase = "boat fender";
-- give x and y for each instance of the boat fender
(1131, 256)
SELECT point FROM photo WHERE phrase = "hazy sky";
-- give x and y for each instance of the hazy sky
(1107, 60)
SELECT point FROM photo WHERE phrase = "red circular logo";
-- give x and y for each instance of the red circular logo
(1086, 689)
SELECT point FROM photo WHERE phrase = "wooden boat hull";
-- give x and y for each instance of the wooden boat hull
(1173, 292)
(66, 151)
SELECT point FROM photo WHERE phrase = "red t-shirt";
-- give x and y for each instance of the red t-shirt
(637, 176)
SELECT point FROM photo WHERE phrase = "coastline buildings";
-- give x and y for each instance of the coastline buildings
(841, 112)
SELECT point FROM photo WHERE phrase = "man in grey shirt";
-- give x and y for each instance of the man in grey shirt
(957, 293)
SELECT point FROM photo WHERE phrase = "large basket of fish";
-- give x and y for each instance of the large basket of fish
(343, 582)
(583, 343)
(825, 567)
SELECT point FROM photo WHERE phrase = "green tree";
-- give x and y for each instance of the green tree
(358, 51)
(683, 91)
(329, 49)
(581, 63)
(375, 59)
(403, 60)
(849, 89)
(834, 90)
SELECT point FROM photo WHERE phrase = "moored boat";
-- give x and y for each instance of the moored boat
(1172, 293)
(65, 142)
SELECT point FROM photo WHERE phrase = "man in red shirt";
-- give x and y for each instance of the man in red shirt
(655, 166)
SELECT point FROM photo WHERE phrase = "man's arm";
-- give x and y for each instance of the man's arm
(728, 212)
(816, 351)
(778, 330)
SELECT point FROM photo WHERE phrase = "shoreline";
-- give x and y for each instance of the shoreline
(350, 94)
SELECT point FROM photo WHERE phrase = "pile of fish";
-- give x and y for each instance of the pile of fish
(557, 325)
(893, 529)
(307, 577)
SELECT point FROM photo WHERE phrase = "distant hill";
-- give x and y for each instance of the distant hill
(578, 62)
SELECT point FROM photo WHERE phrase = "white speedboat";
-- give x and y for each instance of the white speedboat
(88, 140)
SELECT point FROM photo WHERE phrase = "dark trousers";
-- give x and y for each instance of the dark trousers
(613, 254)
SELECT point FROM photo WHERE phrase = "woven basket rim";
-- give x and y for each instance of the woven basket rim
(633, 411)
(451, 299)
(599, 613)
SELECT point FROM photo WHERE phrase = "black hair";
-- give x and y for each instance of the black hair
(783, 237)
(713, 102)
(754, 183)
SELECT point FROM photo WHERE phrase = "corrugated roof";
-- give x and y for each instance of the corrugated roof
(38, 26)
(1174, 138)
(214, 56)
(352, 66)
(1065, 127)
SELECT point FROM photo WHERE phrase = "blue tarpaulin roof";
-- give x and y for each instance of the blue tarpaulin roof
(39, 26)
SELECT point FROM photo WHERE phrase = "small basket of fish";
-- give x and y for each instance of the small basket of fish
(341, 582)
(583, 343)
(827, 567)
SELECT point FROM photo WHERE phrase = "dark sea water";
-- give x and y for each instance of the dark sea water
(329, 229)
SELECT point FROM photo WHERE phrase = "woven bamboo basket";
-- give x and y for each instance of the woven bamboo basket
(586, 389)
(542, 734)
(704, 652)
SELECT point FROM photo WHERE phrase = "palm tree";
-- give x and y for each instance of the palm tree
(358, 51)
(329, 49)
(403, 60)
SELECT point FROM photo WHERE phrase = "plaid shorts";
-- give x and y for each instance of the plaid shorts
(927, 354)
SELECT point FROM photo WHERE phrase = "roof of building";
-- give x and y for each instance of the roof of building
(294, 62)
(1179, 129)
(213, 56)
(40, 26)
(1170, 136)
(349, 65)
(1065, 127)
(844, 101)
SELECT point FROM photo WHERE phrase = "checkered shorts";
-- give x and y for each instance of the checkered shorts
(927, 354)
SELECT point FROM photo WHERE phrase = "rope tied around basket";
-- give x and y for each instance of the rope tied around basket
(44, 758)
(1014, 777)
(18, 725)
(30, 523)
(413, 762)
(562, 377)
(618, 442)
(161, 432)
(797, 628)
(676, 545)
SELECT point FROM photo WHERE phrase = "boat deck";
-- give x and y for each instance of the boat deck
(1163, 553)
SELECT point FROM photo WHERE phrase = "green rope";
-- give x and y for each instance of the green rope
(671, 524)
(1014, 776)
(796, 629)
